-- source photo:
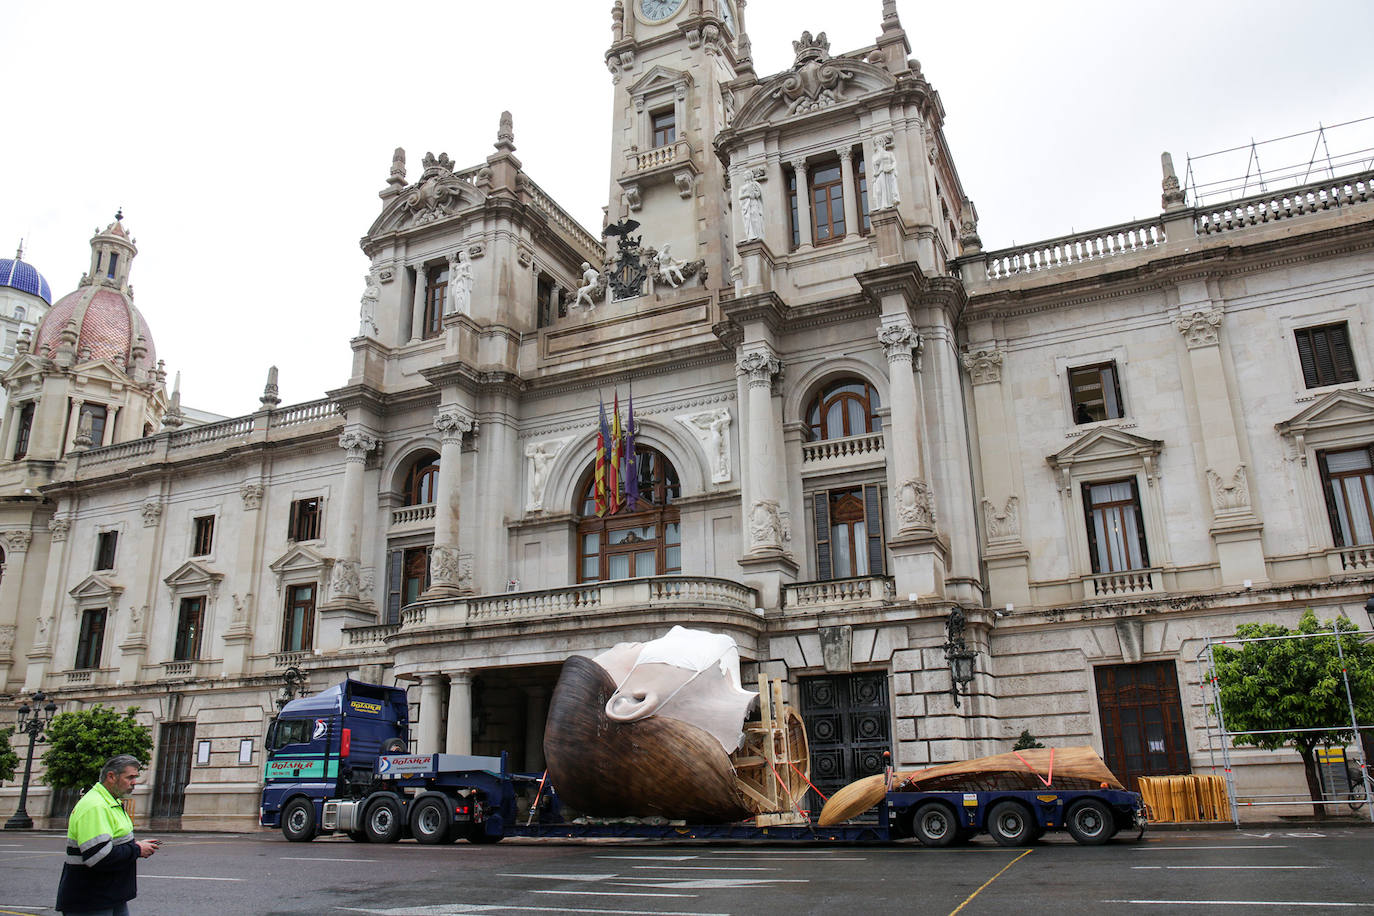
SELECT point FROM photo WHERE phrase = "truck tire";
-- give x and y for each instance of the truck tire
(430, 820)
(934, 825)
(382, 824)
(1090, 822)
(394, 746)
(298, 820)
(1009, 823)
(357, 836)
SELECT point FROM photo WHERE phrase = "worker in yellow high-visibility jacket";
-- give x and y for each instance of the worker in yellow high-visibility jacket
(99, 876)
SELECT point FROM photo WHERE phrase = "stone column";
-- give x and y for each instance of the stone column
(536, 708)
(803, 204)
(915, 509)
(73, 424)
(431, 709)
(417, 309)
(16, 551)
(459, 712)
(447, 574)
(762, 522)
(238, 637)
(851, 193)
(11, 433)
(348, 564)
(49, 601)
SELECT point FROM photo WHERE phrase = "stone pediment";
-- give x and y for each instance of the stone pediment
(26, 365)
(1334, 410)
(302, 560)
(193, 576)
(102, 369)
(1103, 448)
(95, 589)
(659, 79)
(427, 201)
(809, 88)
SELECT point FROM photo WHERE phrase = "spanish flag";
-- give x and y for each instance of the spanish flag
(613, 479)
(603, 435)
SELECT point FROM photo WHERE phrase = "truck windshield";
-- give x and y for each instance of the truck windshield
(289, 731)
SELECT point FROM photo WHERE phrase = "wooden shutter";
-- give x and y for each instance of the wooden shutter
(873, 522)
(395, 561)
(821, 513)
(1343, 361)
(1091, 526)
(1140, 522)
(291, 525)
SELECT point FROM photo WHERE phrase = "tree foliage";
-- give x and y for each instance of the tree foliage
(1282, 685)
(1026, 742)
(80, 742)
(9, 760)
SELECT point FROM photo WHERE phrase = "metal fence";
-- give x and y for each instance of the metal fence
(1356, 796)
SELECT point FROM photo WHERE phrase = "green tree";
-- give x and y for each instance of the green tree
(9, 760)
(1281, 685)
(1026, 742)
(80, 742)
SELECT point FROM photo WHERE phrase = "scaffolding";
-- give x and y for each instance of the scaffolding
(1294, 160)
(1221, 737)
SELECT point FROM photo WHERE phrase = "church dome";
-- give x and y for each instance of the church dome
(108, 325)
(21, 275)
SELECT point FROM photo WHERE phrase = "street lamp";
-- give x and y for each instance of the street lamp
(958, 654)
(33, 721)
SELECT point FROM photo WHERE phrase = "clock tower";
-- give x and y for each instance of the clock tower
(672, 61)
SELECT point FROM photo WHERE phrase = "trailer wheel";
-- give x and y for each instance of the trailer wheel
(298, 820)
(1009, 823)
(358, 836)
(1090, 822)
(934, 825)
(383, 821)
(429, 820)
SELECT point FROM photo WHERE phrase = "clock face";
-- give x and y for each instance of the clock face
(727, 15)
(658, 10)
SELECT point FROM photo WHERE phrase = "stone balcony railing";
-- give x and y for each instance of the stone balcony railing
(281, 660)
(1127, 582)
(859, 592)
(687, 592)
(1070, 250)
(413, 515)
(1343, 561)
(1284, 205)
(560, 218)
(371, 637)
(843, 452)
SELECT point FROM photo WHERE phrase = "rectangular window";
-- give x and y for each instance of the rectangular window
(861, 181)
(1348, 479)
(665, 127)
(827, 204)
(1116, 527)
(414, 574)
(21, 441)
(203, 535)
(1325, 355)
(97, 415)
(114, 262)
(1096, 393)
(305, 520)
(298, 624)
(190, 621)
(436, 289)
(105, 544)
(849, 532)
(792, 208)
(92, 638)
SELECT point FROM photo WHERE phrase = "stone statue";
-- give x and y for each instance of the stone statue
(882, 187)
(541, 456)
(346, 579)
(591, 279)
(712, 429)
(398, 165)
(40, 636)
(7, 640)
(751, 206)
(136, 619)
(241, 604)
(669, 267)
(460, 284)
(367, 313)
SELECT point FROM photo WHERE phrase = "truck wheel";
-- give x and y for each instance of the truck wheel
(934, 825)
(383, 821)
(1090, 822)
(298, 821)
(429, 820)
(1009, 823)
(358, 836)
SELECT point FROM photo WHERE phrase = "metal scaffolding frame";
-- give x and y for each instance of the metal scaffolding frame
(1209, 682)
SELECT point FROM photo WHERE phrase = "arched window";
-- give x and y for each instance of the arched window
(643, 541)
(421, 480)
(846, 407)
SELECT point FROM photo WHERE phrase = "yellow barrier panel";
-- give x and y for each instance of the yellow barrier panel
(1178, 799)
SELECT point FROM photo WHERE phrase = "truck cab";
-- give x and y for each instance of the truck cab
(325, 746)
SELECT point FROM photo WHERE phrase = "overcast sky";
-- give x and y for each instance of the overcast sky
(247, 142)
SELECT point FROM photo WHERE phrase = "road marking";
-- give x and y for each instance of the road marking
(790, 858)
(708, 867)
(1191, 848)
(450, 909)
(188, 878)
(653, 858)
(18, 913)
(989, 881)
(1237, 903)
(565, 877)
(321, 859)
(611, 894)
(1222, 867)
(711, 883)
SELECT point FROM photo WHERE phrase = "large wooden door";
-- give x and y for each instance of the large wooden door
(847, 726)
(1142, 721)
(176, 744)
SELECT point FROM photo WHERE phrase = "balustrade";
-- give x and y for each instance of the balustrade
(1129, 582)
(297, 414)
(289, 659)
(1279, 205)
(1069, 250)
(1356, 558)
(373, 636)
(865, 590)
(409, 514)
(867, 445)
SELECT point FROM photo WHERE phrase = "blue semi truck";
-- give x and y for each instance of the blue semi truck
(338, 762)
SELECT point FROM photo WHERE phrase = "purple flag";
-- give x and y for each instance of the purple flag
(631, 463)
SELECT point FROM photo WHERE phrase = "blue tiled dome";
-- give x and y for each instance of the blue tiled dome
(21, 276)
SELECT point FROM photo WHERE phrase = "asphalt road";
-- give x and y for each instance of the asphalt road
(1259, 871)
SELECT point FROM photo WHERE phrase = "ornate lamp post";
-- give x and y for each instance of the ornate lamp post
(958, 654)
(32, 720)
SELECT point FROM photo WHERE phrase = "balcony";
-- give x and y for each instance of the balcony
(836, 594)
(412, 518)
(1117, 584)
(1343, 561)
(89, 677)
(847, 453)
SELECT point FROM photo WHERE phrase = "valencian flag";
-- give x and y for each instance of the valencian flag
(630, 468)
(614, 469)
(603, 435)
